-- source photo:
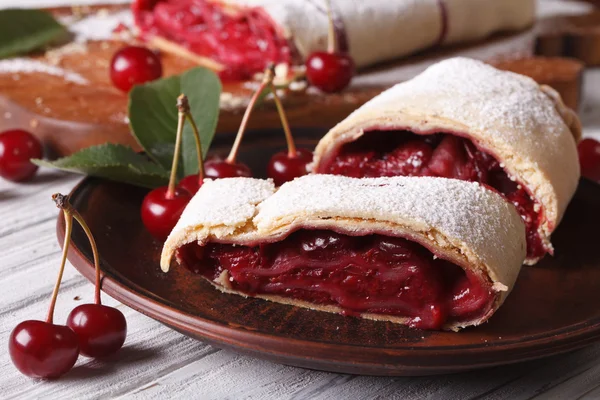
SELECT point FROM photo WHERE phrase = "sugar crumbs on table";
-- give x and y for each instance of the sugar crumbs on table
(27, 66)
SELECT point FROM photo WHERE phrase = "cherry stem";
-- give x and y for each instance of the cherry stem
(62, 202)
(331, 39)
(173, 178)
(267, 80)
(284, 122)
(68, 229)
(87, 231)
(183, 106)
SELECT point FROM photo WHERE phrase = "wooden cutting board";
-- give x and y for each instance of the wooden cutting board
(69, 116)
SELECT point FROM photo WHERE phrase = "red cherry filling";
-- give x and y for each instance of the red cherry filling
(244, 39)
(133, 65)
(360, 274)
(393, 153)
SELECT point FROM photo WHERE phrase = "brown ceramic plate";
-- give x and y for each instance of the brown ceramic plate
(554, 308)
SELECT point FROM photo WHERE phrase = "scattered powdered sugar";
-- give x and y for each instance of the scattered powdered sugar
(225, 202)
(28, 66)
(98, 26)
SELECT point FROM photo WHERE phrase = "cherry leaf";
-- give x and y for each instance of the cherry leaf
(153, 116)
(112, 161)
(22, 31)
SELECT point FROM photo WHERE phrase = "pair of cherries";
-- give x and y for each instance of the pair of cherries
(42, 349)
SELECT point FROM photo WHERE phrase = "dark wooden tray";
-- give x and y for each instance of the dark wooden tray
(554, 308)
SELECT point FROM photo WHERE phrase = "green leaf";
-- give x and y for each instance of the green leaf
(112, 161)
(203, 89)
(22, 31)
(153, 116)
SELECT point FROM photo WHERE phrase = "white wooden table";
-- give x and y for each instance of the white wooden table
(158, 363)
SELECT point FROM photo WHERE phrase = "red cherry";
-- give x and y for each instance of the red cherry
(190, 183)
(17, 147)
(101, 330)
(330, 72)
(283, 168)
(589, 159)
(43, 350)
(133, 65)
(161, 212)
(216, 169)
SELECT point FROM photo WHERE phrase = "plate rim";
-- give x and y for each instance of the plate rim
(266, 346)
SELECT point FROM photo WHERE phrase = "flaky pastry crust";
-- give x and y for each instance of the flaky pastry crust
(525, 126)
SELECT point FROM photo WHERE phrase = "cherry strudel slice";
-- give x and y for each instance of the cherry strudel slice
(245, 35)
(466, 120)
(431, 253)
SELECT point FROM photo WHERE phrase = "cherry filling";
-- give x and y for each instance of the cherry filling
(243, 39)
(360, 274)
(393, 153)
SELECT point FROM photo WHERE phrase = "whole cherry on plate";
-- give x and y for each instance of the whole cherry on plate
(100, 329)
(133, 65)
(215, 168)
(331, 70)
(284, 166)
(162, 207)
(589, 159)
(17, 148)
(41, 349)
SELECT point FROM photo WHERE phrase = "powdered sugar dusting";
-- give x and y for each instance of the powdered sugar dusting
(479, 96)
(460, 210)
(28, 66)
(98, 26)
(225, 202)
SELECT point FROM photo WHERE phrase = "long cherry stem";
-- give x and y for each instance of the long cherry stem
(183, 106)
(331, 39)
(284, 122)
(88, 232)
(267, 79)
(62, 202)
(68, 230)
(173, 178)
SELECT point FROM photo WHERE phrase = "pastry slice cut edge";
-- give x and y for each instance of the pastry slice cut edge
(430, 253)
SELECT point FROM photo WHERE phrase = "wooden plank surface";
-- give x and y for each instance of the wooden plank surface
(158, 363)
